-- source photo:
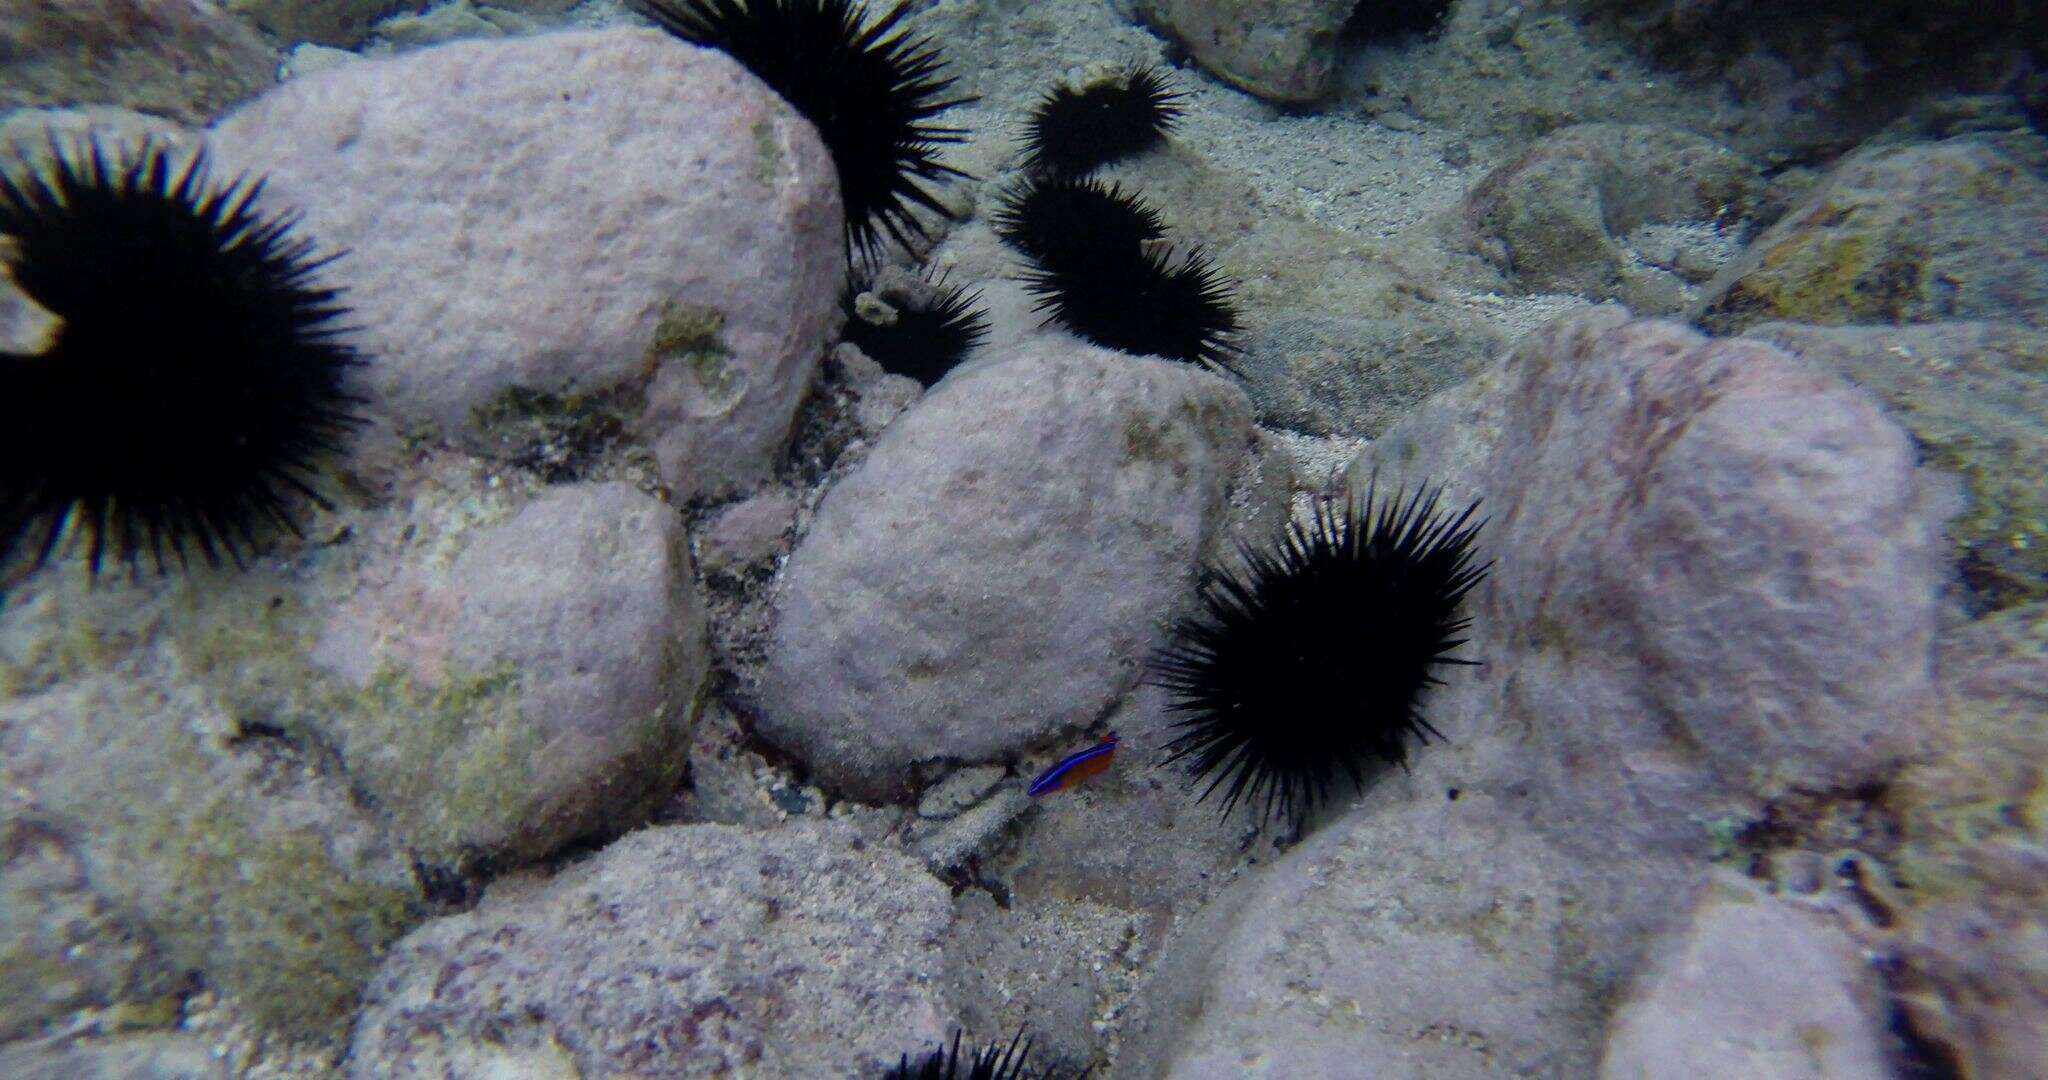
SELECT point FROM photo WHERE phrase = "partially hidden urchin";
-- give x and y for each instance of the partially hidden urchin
(996, 1061)
(1072, 130)
(1309, 662)
(920, 332)
(1102, 268)
(192, 378)
(870, 87)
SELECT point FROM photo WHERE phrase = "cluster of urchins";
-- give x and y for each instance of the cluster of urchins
(193, 379)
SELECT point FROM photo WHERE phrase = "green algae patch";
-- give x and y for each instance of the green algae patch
(1987, 793)
(244, 864)
(768, 163)
(1972, 395)
(449, 765)
(693, 337)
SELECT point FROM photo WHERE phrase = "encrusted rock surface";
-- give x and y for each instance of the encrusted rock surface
(518, 682)
(991, 574)
(1752, 987)
(176, 58)
(1439, 938)
(240, 860)
(696, 950)
(323, 22)
(1956, 229)
(605, 221)
(1973, 395)
(1973, 977)
(1556, 219)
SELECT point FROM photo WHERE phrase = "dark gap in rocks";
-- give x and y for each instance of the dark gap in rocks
(1379, 20)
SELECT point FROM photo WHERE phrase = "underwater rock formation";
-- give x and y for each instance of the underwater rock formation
(989, 576)
(586, 215)
(175, 58)
(695, 950)
(1956, 229)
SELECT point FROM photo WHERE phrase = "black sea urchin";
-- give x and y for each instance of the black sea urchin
(996, 1061)
(869, 87)
(922, 336)
(1074, 131)
(1101, 269)
(1153, 303)
(194, 376)
(1070, 221)
(1312, 660)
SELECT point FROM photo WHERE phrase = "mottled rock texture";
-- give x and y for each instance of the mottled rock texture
(1337, 375)
(1973, 394)
(324, 22)
(1754, 987)
(1281, 50)
(518, 682)
(239, 860)
(608, 222)
(1973, 973)
(1556, 219)
(1829, 72)
(143, 1057)
(690, 951)
(1956, 229)
(182, 59)
(991, 574)
(1715, 581)
(1437, 939)
(63, 947)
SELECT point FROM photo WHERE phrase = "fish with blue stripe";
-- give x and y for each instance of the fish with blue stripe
(1075, 768)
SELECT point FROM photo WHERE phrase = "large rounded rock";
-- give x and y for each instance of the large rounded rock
(1439, 939)
(701, 950)
(1281, 50)
(605, 221)
(994, 571)
(519, 681)
(1715, 579)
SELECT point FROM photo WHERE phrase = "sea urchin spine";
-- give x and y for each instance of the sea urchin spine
(1311, 661)
(922, 333)
(1073, 131)
(996, 1061)
(195, 375)
(870, 87)
(1102, 269)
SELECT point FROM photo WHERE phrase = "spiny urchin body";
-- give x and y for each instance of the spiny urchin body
(1155, 302)
(870, 87)
(1310, 662)
(194, 378)
(1100, 267)
(1071, 131)
(922, 336)
(996, 1061)
(1071, 220)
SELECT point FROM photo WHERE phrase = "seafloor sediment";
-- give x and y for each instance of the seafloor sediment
(658, 695)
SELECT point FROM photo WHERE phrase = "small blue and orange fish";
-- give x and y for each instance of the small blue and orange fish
(1075, 768)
